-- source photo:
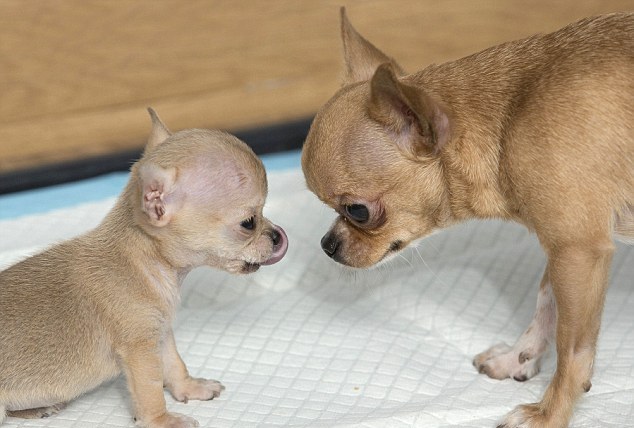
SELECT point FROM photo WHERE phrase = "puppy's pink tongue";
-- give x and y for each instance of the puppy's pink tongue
(279, 248)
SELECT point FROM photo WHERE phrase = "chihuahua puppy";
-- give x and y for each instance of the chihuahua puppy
(538, 131)
(103, 303)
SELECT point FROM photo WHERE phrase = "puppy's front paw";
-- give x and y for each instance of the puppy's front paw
(196, 389)
(502, 361)
(171, 420)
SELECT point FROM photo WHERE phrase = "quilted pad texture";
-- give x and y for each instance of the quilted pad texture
(307, 343)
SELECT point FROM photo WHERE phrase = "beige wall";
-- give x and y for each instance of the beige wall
(76, 76)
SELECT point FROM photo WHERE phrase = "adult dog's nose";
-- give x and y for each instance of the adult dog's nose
(330, 243)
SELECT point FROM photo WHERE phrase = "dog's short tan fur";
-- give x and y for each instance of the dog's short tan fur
(539, 131)
(90, 308)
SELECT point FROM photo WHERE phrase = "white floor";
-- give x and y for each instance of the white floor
(306, 343)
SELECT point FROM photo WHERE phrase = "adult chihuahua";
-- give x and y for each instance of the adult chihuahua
(539, 131)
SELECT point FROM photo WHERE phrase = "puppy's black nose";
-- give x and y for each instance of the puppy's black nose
(329, 244)
(276, 237)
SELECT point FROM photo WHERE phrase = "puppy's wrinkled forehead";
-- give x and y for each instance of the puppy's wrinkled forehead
(214, 166)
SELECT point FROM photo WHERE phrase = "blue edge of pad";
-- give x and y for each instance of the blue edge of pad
(93, 189)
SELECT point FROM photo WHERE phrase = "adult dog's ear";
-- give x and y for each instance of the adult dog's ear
(159, 132)
(362, 58)
(419, 123)
(158, 185)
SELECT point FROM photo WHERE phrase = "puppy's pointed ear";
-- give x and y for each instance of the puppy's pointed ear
(157, 188)
(419, 123)
(159, 132)
(362, 57)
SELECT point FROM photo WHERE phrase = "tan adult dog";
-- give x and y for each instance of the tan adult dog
(539, 131)
(85, 310)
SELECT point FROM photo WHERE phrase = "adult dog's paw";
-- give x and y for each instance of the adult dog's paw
(528, 416)
(502, 361)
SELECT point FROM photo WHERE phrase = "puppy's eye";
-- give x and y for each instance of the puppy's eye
(358, 212)
(248, 223)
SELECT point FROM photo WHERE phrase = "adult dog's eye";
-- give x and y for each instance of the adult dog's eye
(358, 212)
(248, 223)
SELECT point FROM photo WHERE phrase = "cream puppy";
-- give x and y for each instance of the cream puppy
(102, 304)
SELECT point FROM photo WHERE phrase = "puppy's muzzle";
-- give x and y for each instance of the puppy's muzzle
(280, 245)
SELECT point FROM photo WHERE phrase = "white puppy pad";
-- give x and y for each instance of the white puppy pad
(307, 343)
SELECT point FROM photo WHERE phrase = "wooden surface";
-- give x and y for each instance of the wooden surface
(76, 76)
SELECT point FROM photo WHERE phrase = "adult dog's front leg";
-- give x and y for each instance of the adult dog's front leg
(578, 275)
(521, 362)
(177, 380)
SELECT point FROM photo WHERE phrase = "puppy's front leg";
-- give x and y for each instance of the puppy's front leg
(578, 275)
(177, 380)
(144, 372)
